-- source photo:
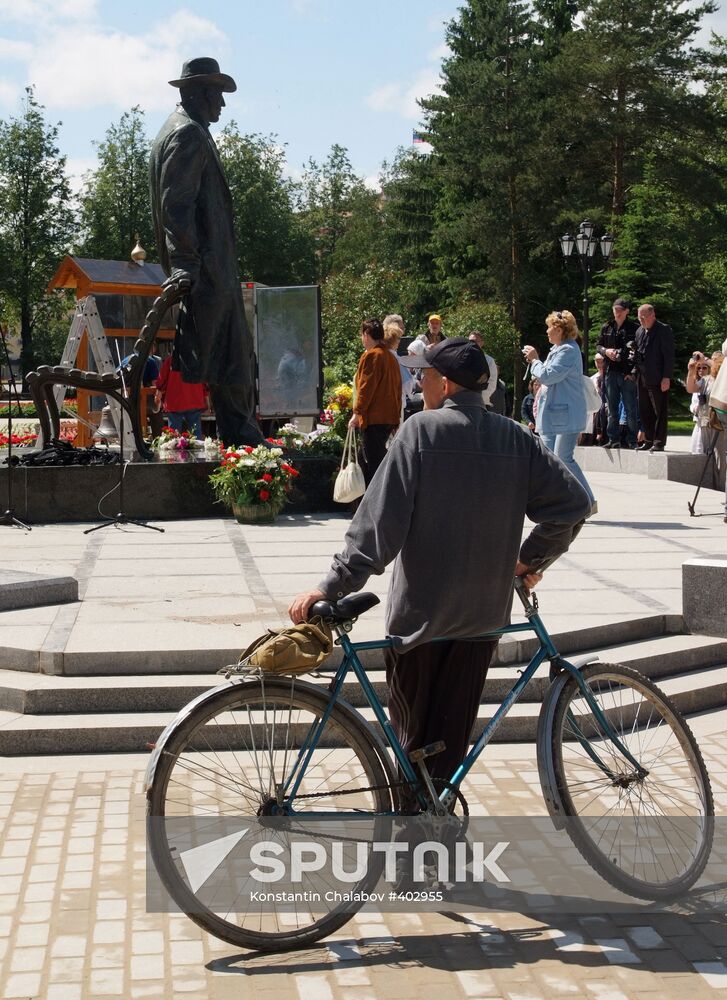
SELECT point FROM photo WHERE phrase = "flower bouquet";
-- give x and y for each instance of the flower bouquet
(323, 442)
(338, 409)
(253, 481)
(171, 440)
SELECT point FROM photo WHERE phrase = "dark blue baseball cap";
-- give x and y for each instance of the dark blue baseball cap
(457, 359)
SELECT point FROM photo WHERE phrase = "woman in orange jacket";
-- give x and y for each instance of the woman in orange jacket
(377, 406)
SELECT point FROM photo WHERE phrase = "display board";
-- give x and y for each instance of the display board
(287, 334)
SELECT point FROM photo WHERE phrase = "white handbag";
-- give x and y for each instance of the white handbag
(718, 392)
(593, 397)
(350, 483)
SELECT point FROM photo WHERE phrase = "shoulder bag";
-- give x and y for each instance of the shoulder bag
(350, 483)
(593, 397)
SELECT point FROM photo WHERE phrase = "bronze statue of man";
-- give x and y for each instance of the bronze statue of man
(192, 210)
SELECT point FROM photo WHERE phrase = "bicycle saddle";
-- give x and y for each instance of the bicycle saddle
(344, 610)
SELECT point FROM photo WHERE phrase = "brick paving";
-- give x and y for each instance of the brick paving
(73, 924)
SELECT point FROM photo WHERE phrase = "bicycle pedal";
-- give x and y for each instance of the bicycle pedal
(428, 751)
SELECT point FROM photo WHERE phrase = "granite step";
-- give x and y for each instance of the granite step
(694, 691)
(43, 694)
(516, 648)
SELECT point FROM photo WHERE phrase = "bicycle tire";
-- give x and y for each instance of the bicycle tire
(210, 765)
(674, 800)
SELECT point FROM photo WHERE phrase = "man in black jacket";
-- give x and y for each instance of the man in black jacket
(620, 379)
(192, 211)
(655, 363)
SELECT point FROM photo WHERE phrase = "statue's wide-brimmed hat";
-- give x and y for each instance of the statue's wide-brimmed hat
(204, 70)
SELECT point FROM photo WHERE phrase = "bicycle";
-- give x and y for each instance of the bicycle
(611, 747)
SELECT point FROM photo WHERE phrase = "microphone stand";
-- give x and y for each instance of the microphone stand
(121, 517)
(8, 519)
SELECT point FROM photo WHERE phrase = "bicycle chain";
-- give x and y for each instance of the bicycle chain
(350, 791)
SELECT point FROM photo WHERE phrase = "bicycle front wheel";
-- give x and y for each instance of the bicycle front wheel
(233, 755)
(647, 831)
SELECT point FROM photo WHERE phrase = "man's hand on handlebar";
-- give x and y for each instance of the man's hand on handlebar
(530, 579)
(301, 605)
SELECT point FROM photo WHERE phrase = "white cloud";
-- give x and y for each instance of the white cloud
(118, 69)
(437, 21)
(76, 167)
(45, 11)
(9, 94)
(401, 98)
(15, 50)
(440, 53)
(309, 9)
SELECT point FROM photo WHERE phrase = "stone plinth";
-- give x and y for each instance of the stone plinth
(19, 589)
(704, 595)
(160, 490)
(678, 467)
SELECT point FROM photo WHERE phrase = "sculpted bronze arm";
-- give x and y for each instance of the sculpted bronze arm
(183, 163)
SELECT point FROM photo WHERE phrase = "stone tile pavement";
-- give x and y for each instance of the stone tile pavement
(214, 585)
(73, 924)
(72, 853)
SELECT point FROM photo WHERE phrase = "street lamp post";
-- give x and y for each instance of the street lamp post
(586, 245)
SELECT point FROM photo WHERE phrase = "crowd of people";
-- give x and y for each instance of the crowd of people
(499, 473)
(634, 371)
(388, 385)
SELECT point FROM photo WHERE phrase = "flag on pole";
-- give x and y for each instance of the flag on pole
(417, 137)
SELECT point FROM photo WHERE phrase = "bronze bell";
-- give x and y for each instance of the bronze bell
(106, 428)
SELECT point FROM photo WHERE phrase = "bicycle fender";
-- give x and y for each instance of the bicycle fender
(315, 689)
(167, 731)
(546, 771)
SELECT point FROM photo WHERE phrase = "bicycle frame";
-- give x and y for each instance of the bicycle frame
(545, 651)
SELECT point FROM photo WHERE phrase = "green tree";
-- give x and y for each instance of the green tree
(272, 243)
(492, 321)
(333, 200)
(485, 129)
(347, 298)
(37, 221)
(636, 84)
(411, 189)
(115, 203)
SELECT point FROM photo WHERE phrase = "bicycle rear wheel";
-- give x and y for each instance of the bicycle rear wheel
(231, 756)
(649, 834)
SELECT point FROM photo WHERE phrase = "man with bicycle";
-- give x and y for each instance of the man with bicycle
(448, 505)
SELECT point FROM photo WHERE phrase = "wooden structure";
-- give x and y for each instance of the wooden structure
(123, 291)
(121, 384)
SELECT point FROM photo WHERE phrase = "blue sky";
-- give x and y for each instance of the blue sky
(315, 72)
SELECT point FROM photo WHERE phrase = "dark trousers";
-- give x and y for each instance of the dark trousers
(434, 694)
(653, 409)
(618, 388)
(234, 407)
(373, 448)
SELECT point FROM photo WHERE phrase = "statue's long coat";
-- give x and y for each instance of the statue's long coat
(192, 211)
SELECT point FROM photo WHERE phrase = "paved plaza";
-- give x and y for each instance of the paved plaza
(72, 856)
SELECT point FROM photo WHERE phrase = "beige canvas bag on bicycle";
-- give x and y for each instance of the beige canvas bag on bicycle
(294, 649)
(350, 483)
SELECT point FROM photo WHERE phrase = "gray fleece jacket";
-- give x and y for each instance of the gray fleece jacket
(448, 504)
